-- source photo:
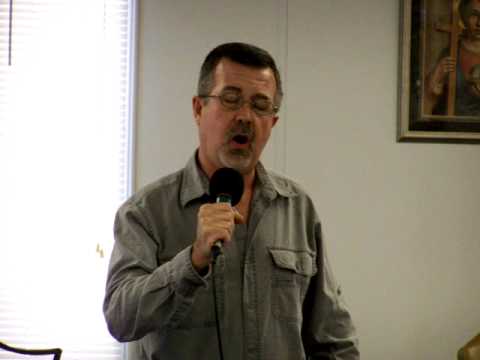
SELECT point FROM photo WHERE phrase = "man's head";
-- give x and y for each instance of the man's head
(240, 53)
(470, 13)
(239, 92)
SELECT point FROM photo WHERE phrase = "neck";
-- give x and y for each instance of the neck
(248, 180)
(472, 45)
(243, 207)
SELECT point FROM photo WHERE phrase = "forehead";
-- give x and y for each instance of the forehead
(475, 4)
(247, 79)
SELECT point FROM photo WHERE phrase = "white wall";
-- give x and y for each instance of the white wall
(402, 221)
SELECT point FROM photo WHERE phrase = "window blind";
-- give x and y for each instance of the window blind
(65, 167)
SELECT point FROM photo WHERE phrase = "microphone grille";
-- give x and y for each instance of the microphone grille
(227, 181)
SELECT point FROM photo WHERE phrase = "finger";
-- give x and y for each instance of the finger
(213, 208)
(238, 218)
(215, 214)
(226, 220)
(219, 234)
(448, 70)
(222, 205)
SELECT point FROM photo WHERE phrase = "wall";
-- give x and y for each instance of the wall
(401, 220)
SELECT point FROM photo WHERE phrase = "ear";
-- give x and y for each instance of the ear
(274, 120)
(197, 106)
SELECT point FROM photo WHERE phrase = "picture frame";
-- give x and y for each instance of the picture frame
(439, 84)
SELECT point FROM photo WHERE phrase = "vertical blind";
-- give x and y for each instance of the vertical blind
(65, 131)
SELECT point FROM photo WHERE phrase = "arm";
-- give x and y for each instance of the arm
(436, 82)
(142, 295)
(328, 331)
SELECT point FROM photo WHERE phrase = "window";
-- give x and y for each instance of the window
(65, 151)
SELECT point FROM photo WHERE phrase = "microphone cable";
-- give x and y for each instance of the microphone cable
(217, 320)
(226, 186)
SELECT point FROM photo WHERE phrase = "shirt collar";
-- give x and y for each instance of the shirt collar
(195, 184)
(272, 185)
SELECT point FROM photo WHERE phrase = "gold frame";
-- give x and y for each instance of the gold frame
(413, 123)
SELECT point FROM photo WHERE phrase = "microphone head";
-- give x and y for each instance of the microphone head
(227, 181)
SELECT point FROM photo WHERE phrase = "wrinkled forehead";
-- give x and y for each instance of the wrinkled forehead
(231, 74)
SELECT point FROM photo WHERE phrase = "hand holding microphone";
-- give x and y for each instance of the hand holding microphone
(216, 221)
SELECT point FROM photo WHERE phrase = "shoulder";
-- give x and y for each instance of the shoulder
(287, 186)
(156, 191)
(296, 194)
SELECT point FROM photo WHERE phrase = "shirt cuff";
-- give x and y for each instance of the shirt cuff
(187, 278)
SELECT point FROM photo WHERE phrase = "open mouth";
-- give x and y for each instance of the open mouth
(240, 139)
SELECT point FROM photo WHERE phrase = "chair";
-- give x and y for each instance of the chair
(56, 352)
(471, 350)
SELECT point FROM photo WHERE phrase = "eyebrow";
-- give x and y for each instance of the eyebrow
(232, 88)
(238, 90)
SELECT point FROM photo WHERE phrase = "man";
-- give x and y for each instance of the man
(275, 293)
(467, 68)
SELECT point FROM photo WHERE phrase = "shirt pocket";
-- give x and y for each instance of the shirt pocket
(290, 277)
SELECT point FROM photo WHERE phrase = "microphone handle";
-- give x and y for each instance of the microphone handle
(217, 247)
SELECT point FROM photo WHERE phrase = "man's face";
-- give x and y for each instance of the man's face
(234, 138)
(473, 20)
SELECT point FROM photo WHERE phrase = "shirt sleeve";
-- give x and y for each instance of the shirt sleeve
(142, 295)
(328, 331)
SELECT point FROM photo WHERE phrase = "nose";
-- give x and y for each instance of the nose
(245, 113)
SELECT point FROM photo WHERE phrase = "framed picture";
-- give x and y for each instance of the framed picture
(439, 77)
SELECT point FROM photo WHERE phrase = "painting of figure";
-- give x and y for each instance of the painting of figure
(452, 85)
(439, 77)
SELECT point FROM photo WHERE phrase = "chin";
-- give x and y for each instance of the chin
(241, 162)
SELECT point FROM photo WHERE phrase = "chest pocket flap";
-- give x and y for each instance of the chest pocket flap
(301, 262)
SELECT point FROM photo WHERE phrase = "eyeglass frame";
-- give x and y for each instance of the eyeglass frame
(242, 102)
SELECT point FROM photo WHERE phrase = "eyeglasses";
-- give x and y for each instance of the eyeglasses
(233, 101)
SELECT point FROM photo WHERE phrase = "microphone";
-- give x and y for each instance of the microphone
(226, 186)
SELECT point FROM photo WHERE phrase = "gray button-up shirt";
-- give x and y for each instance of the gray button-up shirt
(276, 296)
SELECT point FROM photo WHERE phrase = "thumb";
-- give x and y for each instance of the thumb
(239, 219)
